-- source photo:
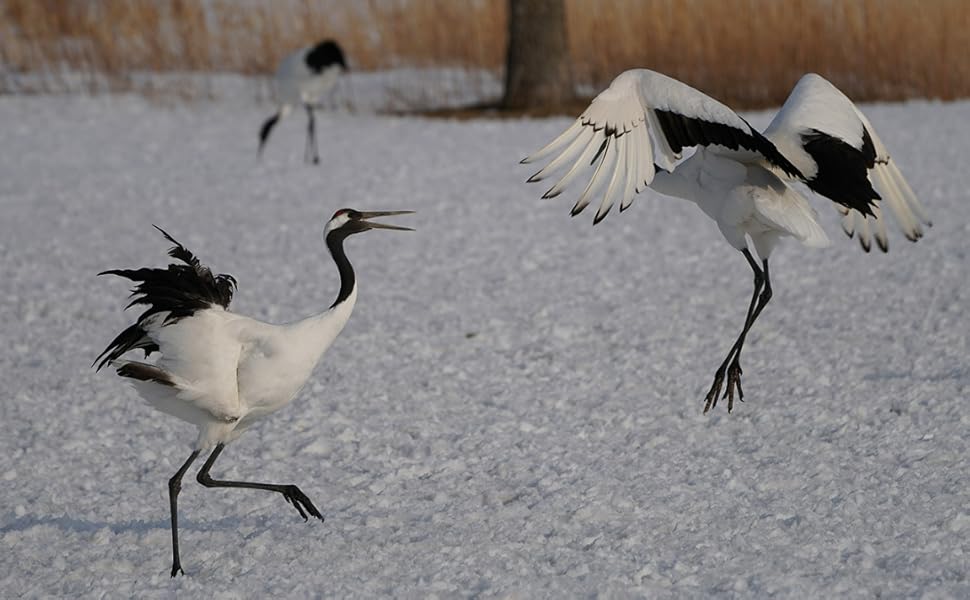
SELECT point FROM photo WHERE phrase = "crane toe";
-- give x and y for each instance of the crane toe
(710, 401)
(299, 500)
(733, 382)
(733, 373)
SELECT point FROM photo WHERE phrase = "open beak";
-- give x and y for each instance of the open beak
(364, 216)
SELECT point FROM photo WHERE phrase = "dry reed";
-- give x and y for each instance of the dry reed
(748, 52)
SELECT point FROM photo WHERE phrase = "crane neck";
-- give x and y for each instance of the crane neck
(335, 243)
(313, 335)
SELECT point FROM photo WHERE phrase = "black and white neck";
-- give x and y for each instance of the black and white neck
(348, 281)
(346, 222)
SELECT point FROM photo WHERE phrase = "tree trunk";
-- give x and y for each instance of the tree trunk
(538, 71)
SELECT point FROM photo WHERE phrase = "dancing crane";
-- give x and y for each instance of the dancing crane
(301, 79)
(219, 370)
(634, 133)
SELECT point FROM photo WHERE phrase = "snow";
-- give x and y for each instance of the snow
(402, 89)
(514, 409)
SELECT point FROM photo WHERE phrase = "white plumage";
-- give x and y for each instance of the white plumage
(633, 135)
(228, 370)
(221, 371)
(302, 78)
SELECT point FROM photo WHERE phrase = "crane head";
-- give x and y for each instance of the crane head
(325, 55)
(348, 221)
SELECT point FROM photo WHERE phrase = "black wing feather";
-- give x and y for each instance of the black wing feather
(843, 170)
(682, 131)
(131, 338)
(179, 290)
(144, 372)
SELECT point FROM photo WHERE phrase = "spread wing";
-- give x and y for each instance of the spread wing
(842, 158)
(641, 123)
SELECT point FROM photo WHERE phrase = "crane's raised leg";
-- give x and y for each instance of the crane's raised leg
(174, 486)
(311, 154)
(732, 363)
(290, 493)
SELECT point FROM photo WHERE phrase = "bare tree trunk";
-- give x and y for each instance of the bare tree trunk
(538, 71)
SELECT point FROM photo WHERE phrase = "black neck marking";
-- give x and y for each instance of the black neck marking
(335, 243)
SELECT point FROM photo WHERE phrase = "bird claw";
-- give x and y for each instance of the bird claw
(715, 391)
(176, 569)
(299, 500)
(733, 383)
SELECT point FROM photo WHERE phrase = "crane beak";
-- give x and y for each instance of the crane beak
(364, 216)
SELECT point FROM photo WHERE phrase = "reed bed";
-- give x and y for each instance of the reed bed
(747, 52)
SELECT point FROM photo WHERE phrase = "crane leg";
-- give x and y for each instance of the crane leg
(265, 130)
(311, 154)
(734, 370)
(174, 487)
(290, 493)
(732, 363)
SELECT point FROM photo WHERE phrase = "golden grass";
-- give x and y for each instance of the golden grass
(746, 52)
(751, 52)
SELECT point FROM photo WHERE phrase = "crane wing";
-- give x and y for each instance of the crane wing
(196, 377)
(640, 123)
(186, 322)
(177, 292)
(842, 158)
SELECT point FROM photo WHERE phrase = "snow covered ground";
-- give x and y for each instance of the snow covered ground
(514, 409)
(398, 90)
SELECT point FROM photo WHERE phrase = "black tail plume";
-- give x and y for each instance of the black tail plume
(179, 290)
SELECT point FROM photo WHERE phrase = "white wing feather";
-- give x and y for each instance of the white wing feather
(202, 355)
(621, 130)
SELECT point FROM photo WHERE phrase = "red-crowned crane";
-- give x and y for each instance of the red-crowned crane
(219, 370)
(634, 133)
(302, 78)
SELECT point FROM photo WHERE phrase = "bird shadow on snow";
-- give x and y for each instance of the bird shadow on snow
(27, 522)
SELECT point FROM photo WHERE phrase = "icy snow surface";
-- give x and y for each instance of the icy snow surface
(514, 408)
